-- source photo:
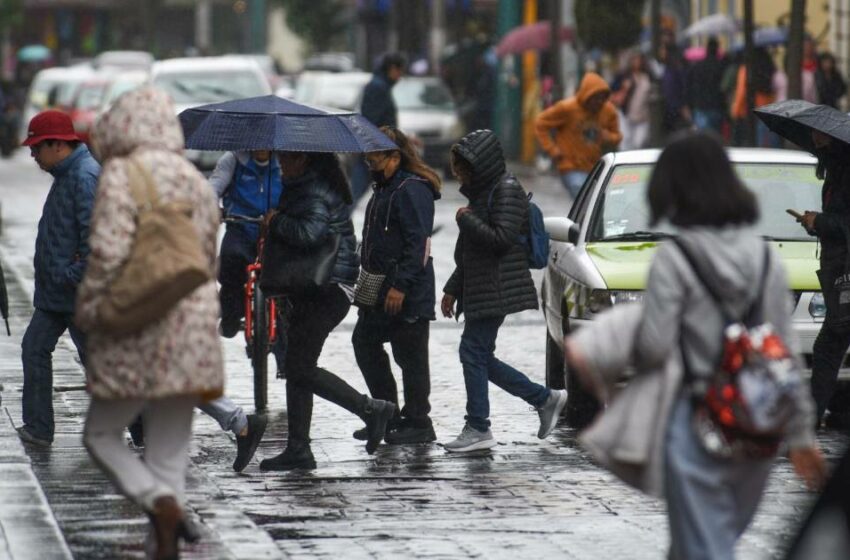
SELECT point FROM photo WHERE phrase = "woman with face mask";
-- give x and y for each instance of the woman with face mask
(830, 225)
(396, 261)
(313, 208)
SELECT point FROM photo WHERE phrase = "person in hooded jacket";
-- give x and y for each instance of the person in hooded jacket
(312, 208)
(710, 499)
(61, 253)
(172, 364)
(397, 244)
(832, 227)
(491, 281)
(585, 125)
(248, 184)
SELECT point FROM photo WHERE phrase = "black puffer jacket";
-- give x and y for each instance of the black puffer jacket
(491, 278)
(309, 210)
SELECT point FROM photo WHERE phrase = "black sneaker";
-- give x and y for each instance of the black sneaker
(291, 458)
(246, 445)
(378, 414)
(408, 433)
(362, 434)
(229, 328)
(26, 434)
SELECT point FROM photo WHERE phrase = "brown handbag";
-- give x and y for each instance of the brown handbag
(166, 262)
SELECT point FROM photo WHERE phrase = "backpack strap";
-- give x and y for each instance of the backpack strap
(141, 184)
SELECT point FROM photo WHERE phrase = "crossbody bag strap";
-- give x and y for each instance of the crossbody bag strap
(141, 184)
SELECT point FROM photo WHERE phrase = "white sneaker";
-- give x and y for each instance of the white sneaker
(550, 412)
(470, 439)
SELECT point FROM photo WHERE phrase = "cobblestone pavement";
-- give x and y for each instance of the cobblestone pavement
(526, 498)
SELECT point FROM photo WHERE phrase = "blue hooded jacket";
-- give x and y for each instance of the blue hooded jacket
(246, 188)
(61, 246)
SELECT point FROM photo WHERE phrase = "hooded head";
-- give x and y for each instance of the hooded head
(142, 117)
(483, 152)
(593, 92)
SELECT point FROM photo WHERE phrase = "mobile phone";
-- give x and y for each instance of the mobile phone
(795, 214)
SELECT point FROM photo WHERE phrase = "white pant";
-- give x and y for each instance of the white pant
(168, 429)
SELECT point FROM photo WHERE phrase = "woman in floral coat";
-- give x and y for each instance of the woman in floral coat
(173, 364)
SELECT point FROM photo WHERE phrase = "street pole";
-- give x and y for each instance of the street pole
(392, 35)
(750, 118)
(656, 103)
(258, 25)
(530, 90)
(555, 50)
(507, 116)
(203, 26)
(795, 49)
(438, 33)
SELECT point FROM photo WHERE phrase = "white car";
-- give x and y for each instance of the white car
(601, 251)
(198, 81)
(53, 88)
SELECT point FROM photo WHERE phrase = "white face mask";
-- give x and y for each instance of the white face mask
(262, 163)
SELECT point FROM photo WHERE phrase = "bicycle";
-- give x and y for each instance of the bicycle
(260, 313)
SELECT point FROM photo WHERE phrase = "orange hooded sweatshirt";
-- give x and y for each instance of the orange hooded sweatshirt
(579, 134)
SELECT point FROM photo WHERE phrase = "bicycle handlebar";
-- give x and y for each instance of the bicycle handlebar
(235, 218)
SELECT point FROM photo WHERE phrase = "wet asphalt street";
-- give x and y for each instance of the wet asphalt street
(525, 499)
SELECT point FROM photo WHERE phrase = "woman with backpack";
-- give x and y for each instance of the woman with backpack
(312, 219)
(491, 281)
(396, 260)
(717, 272)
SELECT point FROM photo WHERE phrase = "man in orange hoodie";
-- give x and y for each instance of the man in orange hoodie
(584, 125)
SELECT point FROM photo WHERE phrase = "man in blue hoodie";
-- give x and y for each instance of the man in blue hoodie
(61, 249)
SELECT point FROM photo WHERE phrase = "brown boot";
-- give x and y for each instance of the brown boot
(166, 518)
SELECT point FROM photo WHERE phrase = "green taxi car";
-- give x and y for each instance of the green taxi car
(601, 252)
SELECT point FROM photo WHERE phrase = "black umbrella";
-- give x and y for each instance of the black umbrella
(795, 119)
(4, 301)
(272, 123)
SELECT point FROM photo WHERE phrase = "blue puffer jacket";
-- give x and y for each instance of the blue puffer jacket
(310, 209)
(397, 241)
(62, 244)
(249, 190)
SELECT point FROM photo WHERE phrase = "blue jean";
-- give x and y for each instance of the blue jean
(711, 119)
(710, 501)
(227, 413)
(765, 138)
(573, 180)
(480, 365)
(37, 347)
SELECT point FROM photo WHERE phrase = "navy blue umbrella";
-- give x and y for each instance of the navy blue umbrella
(273, 123)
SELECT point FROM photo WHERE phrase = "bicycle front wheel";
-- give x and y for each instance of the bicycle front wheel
(260, 349)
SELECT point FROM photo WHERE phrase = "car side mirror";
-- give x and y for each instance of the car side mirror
(562, 229)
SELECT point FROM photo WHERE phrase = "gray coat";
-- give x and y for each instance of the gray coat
(677, 312)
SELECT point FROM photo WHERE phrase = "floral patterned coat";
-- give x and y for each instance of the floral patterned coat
(181, 353)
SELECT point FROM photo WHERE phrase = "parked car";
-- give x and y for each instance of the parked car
(53, 88)
(601, 251)
(427, 111)
(123, 60)
(120, 83)
(331, 62)
(198, 81)
(85, 105)
(337, 90)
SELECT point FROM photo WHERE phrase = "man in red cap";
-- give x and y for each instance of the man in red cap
(61, 249)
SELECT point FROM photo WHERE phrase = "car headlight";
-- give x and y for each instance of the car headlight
(817, 306)
(600, 300)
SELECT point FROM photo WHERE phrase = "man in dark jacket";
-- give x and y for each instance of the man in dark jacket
(61, 248)
(491, 280)
(378, 106)
(704, 95)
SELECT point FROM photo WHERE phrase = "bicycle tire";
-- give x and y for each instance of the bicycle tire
(260, 350)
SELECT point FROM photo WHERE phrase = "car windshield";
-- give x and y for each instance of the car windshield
(208, 87)
(336, 91)
(89, 97)
(422, 95)
(120, 87)
(622, 211)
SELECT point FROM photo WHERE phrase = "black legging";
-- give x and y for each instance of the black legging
(309, 321)
(827, 355)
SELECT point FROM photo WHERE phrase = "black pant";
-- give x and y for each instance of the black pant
(309, 320)
(827, 355)
(409, 343)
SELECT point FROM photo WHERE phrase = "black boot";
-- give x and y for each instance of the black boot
(246, 445)
(409, 432)
(293, 457)
(377, 414)
(137, 432)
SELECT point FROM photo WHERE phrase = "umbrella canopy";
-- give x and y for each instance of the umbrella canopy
(795, 119)
(33, 53)
(765, 37)
(273, 123)
(715, 24)
(531, 37)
